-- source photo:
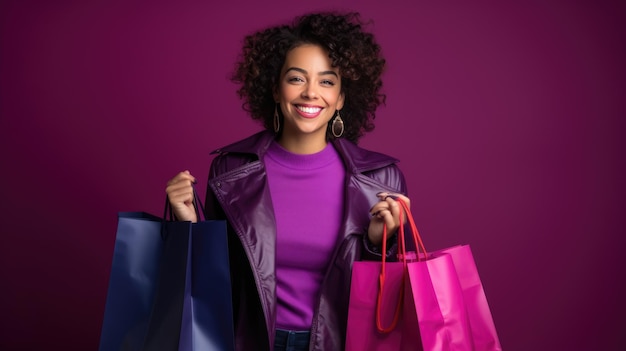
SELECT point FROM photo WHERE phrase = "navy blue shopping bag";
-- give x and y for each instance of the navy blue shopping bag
(133, 279)
(192, 310)
(191, 303)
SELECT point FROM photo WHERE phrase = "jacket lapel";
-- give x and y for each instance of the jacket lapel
(360, 189)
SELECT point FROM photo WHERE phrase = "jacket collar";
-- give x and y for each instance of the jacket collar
(356, 159)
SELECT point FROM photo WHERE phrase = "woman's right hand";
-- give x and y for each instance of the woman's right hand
(180, 194)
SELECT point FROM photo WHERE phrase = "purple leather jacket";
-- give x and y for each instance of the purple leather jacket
(237, 191)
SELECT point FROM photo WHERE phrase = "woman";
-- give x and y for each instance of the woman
(303, 202)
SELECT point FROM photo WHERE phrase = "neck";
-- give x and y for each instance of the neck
(303, 145)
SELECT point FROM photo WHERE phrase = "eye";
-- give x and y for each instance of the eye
(328, 82)
(295, 79)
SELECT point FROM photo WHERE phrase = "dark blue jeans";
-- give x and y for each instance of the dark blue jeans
(288, 340)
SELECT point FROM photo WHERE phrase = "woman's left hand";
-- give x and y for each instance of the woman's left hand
(386, 211)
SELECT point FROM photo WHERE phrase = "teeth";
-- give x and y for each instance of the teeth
(307, 109)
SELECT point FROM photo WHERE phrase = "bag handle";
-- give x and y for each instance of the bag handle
(402, 255)
(417, 238)
(381, 282)
(197, 204)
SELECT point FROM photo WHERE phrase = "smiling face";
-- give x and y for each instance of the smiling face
(309, 93)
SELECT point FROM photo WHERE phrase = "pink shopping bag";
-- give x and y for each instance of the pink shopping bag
(450, 302)
(427, 301)
(482, 327)
(439, 305)
(363, 333)
(379, 312)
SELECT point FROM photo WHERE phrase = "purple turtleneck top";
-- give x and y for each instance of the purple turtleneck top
(307, 194)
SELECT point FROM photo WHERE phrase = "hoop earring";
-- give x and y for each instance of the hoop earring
(337, 127)
(276, 119)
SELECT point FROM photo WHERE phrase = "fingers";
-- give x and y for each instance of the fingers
(180, 184)
(388, 205)
(387, 211)
(182, 176)
(180, 194)
(385, 208)
(385, 196)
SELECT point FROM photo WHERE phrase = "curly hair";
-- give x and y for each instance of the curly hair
(353, 51)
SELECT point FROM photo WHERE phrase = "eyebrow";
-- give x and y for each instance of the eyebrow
(305, 72)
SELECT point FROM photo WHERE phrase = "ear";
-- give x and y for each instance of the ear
(340, 101)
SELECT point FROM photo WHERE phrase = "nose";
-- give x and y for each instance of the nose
(309, 91)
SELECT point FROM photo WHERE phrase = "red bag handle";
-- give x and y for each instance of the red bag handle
(403, 256)
(417, 238)
(381, 282)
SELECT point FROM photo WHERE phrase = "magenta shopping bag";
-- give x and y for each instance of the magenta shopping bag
(439, 305)
(427, 301)
(381, 314)
(363, 333)
(450, 302)
(482, 327)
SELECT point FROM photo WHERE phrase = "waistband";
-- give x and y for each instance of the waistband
(292, 339)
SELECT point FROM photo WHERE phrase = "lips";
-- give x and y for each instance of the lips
(308, 111)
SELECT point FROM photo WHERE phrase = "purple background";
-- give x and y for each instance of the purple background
(508, 120)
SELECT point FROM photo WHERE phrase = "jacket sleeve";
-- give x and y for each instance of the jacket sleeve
(393, 177)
